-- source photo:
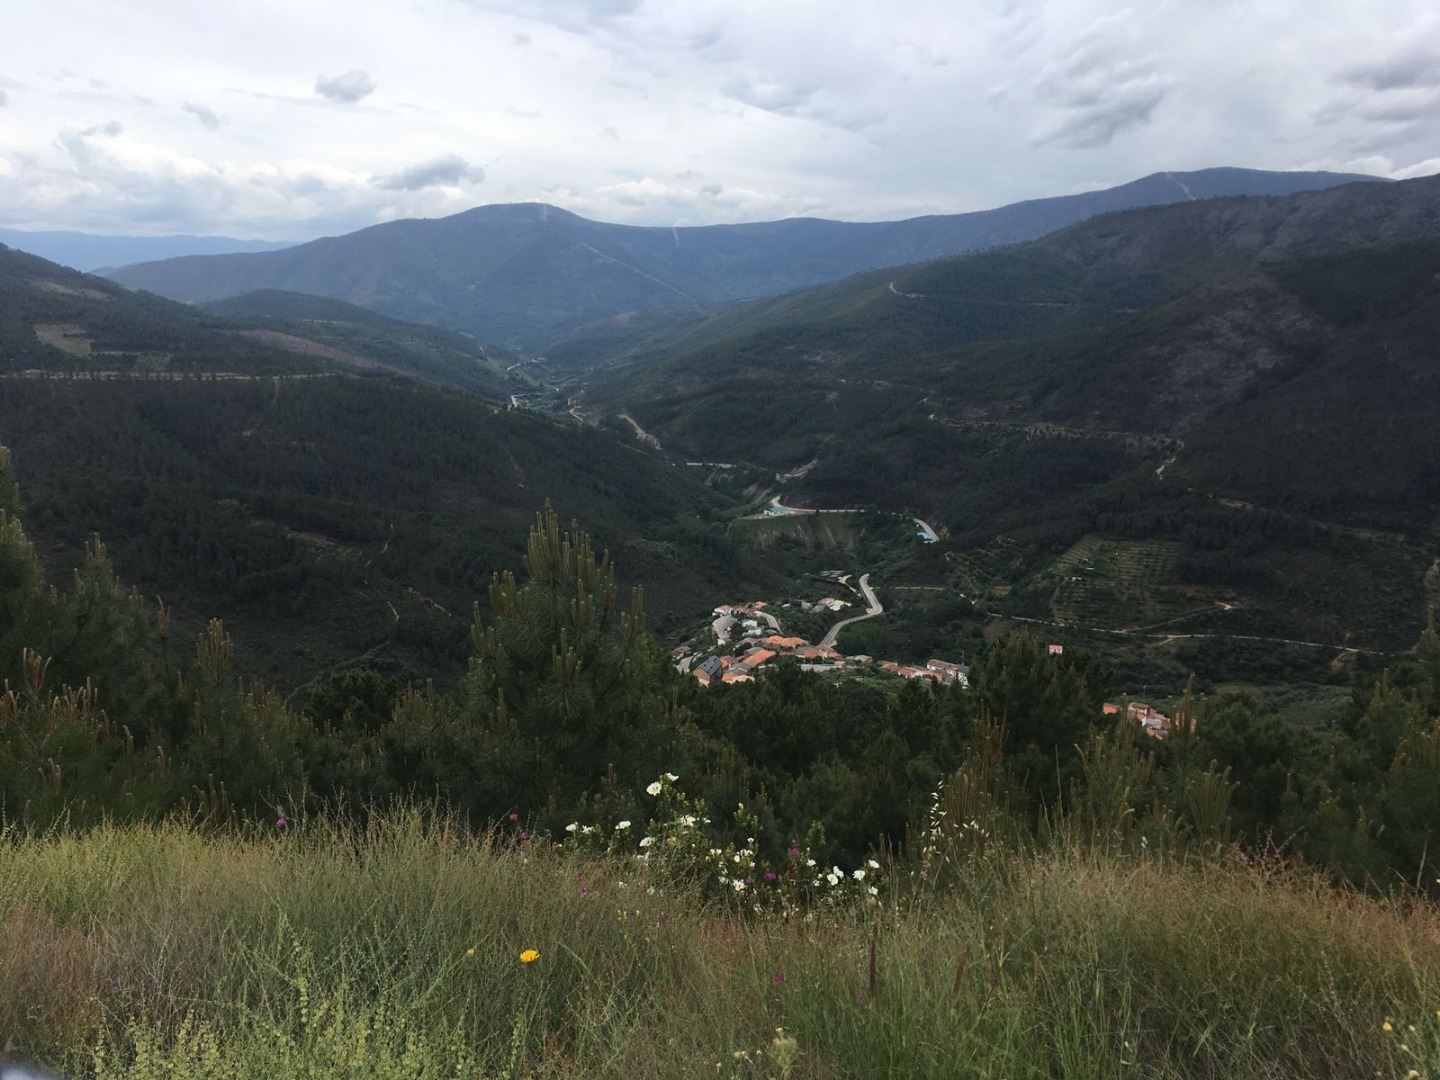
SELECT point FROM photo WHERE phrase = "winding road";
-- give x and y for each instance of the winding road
(873, 609)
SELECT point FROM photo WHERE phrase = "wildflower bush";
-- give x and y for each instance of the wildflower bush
(679, 850)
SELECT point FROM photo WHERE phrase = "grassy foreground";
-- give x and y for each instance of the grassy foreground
(314, 950)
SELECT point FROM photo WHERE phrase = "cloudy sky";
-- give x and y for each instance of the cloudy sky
(289, 119)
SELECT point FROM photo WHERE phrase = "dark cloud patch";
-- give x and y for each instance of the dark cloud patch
(1404, 112)
(799, 101)
(349, 87)
(576, 16)
(204, 114)
(1095, 123)
(770, 96)
(1103, 84)
(450, 169)
(1413, 67)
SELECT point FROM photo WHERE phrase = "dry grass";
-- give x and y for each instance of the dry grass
(327, 951)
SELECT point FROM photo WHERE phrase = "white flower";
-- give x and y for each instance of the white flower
(859, 875)
(738, 884)
(647, 841)
(688, 821)
(622, 825)
(872, 864)
(809, 862)
(715, 851)
(653, 789)
(572, 826)
(832, 879)
(587, 830)
(874, 891)
(671, 777)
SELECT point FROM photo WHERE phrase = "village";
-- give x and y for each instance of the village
(743, 638)
(754, 647)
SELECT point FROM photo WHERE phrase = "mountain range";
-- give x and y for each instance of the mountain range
(95, 254)
(1211, 417)
(528, 275)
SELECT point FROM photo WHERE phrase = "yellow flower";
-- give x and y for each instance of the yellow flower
(529, 956)
(470, 952)
(1386, 1026)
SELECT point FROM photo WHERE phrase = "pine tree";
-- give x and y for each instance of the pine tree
(568, 708)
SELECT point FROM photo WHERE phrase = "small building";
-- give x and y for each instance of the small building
(754, 658)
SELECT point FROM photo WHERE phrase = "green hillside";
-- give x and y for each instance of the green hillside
(1266, 417)
(371, 342)
(329, 518)
(64, 322)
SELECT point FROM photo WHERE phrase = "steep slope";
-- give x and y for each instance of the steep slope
(1087, 275)
(58, 320)
(368, 341)
(520, 274)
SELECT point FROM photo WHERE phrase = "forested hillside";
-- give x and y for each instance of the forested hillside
(67, 323)
(332, 518)
(1191, 381)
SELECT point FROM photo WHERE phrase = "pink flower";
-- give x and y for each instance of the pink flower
(280, 822)
(778, 977)
(769, 875)
(512, 816)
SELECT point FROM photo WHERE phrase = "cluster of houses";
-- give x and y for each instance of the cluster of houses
(755, 648)
(1151, 720)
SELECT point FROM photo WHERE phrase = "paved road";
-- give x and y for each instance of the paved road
(872, 610)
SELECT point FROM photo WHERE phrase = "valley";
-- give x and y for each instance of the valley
(620, 539)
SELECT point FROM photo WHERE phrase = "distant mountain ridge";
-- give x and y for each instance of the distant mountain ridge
(526, 274)
(63, 321)
(96, 254)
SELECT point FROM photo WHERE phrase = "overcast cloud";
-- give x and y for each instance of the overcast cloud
(287, 121)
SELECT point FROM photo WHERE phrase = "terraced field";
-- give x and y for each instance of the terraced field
(989, 571)
(1120, 584)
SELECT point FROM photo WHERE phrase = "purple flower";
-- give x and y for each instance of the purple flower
(778, 977)
(280, 822)
(512, 816)
(794, 849)
(991, 976)
(524, 834)
(769, 875)
(582, 890)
